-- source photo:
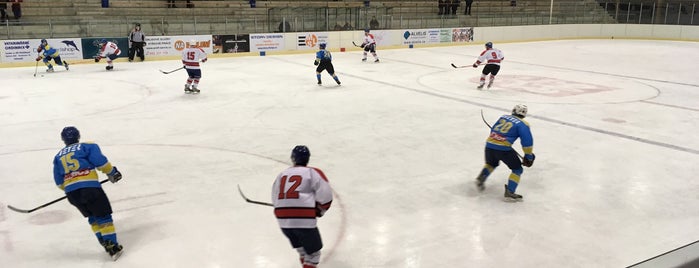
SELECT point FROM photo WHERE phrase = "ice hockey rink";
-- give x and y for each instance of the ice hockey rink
(615, 126)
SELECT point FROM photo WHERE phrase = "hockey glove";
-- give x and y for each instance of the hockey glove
(38, 58)
(363, 45)
(475, 65)
(97, 59)
(316, 62)
(204, 60)
(319, 211)
(528, 160)
(114, 176)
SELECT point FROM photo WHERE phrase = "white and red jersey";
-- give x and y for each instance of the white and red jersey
(191, 57)
(296, 194)
(491, 56)
(369, 39)
(109, 48)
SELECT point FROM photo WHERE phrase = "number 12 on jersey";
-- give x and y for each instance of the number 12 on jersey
(292, 193)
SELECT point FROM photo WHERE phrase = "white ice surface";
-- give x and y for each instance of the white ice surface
(615, 126)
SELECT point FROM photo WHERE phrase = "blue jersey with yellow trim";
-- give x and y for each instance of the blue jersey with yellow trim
(506, 131)
(75, 166)
(48, 51)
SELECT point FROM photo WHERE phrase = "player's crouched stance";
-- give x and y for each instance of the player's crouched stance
(301, 194)
(110, 51)
(191, 57)
(324, 61)
(74, 171)
(498, 148)
(48, 53)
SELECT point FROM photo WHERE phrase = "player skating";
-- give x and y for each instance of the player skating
(369, 45)
(492, 58)
(191, 57)
(300, 195)
(108, 50)
(75, 172)
(324, 62)
(48, 53)
(498, 148)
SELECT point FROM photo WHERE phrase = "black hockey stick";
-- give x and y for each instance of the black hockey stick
(44, 205)
(462, 66)
(253, 201)
(486, 123)
(175, 70)
(355, 44)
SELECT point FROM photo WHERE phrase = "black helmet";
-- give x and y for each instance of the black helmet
(300, 155)
(70, 135)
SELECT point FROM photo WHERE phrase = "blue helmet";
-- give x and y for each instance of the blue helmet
(70, 135)
(103, 41)
(489, 45)
(366, 30)
(300, 155)
(322, 45)
(44, 42)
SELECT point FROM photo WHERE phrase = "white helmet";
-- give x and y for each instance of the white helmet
(193, 43)
(520, 110)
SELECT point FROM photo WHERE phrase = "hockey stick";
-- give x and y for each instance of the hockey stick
(44, 205)
(253, 201)
(175, 70)
(36, 68)
(355, 44)
(486, 123)
(464, 66)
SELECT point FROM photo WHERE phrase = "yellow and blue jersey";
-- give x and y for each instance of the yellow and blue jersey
(75, 166)
(48, 51)
(506, 131)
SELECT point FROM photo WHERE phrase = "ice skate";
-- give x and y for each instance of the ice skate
(49, 70)
(490, 84)
(364, 60)
(320, 83)
(114, 250)
(187, 89)
(195, 90)
(109, 68)
(480, 183)
(65, 63)
(511, 197)
(338, 82)
(480, 86)
(377, 61)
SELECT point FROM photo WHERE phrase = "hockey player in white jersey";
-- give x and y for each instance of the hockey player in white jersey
(110, 51)
(301, 194)
(191, 56)
(492, 58)
(369, 45)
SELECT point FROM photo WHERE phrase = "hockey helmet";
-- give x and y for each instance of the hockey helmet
(489, 45)
(366, 30)
(70, 135)
(44, 42)
(520, 110)
(322, 45)
(138, 25)
(300, 155)
(193, 43)
(103, 41)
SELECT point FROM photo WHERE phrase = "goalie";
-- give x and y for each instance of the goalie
(498, 148)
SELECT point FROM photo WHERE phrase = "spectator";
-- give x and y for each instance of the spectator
(513, 3)
(171, 3)
(3, 14)
(189, 4)
(442, 7)
(137, 40)
(374, 24)
(347, 26)
(338, 27)
(284, 26)
(467, 8)
(17, 9)
(253, 3)
(454, 6)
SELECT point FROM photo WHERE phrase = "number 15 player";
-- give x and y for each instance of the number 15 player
(191, 56)
(300, 195)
